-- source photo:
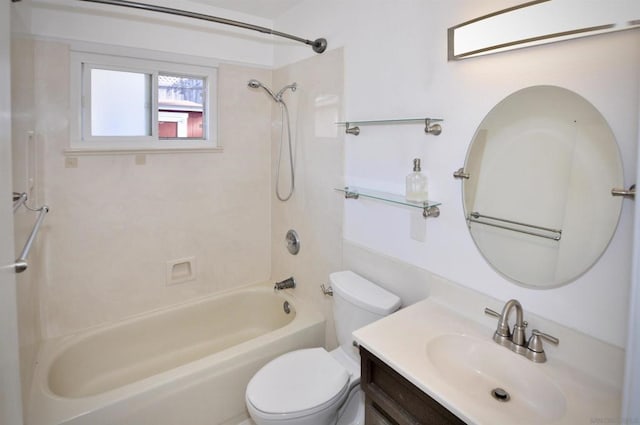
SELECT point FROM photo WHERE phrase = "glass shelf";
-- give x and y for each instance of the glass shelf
(429, 208)
(431, 126)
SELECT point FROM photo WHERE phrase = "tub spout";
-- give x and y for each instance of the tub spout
(285, 284)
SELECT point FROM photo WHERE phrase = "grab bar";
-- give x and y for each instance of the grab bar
(21, 262)
(474, 216)
(18, 200)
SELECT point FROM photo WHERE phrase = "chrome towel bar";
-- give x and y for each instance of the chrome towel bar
(20, 199)
(21, 262)
(475, 217)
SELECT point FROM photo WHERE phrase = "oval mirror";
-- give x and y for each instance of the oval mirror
(538, 198)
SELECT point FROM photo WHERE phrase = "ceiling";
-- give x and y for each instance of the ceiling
(269, 9)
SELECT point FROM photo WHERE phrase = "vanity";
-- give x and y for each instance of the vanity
(392, 399)
(428, 364)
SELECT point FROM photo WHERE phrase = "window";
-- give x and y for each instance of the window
(124, 103)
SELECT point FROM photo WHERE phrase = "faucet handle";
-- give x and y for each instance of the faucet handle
(490, 312)
(535, 350)
(503, 329)
(547, 337)
(502, 335)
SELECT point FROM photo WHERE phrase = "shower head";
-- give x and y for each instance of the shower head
(254, 84)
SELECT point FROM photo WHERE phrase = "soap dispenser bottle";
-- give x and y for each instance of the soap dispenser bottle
(416, 184)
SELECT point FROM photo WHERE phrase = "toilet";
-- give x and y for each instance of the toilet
(316, 387)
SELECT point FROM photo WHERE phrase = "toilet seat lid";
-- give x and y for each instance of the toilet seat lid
(301, 380)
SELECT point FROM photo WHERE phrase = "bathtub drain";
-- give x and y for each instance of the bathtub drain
(286, 307)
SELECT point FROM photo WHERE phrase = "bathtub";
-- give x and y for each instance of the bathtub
(187, 364)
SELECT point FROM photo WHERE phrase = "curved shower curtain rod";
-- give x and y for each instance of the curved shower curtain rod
(319, 45)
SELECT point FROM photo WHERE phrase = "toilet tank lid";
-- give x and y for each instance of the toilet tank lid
(363, 293)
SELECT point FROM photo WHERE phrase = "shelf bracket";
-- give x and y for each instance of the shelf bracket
(431, 212)
(630, 193)
(349, 194)
(352, 130)
(430, 127)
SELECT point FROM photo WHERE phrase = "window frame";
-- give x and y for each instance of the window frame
(81, 139)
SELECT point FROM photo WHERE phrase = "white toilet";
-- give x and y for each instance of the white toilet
(316, 387)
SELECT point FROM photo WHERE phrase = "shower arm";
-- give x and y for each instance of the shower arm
(319, 45)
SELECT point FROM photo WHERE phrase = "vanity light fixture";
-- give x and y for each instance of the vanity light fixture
(540, 22)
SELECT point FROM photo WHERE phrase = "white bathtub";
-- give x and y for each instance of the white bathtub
(187, 365)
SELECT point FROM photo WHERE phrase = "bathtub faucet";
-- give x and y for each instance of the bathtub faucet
(285, 284)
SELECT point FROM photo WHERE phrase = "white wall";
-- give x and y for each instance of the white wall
(631, 388)
(395, 66)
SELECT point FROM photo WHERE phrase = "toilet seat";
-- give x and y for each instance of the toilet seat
(297, 384)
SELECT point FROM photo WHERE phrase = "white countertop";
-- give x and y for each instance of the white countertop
(404, 341)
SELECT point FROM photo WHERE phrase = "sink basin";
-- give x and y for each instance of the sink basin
(477, 367)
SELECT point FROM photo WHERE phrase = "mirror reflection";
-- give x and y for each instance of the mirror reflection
(538, 198)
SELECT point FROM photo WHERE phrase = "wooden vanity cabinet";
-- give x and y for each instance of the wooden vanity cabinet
(390, 399)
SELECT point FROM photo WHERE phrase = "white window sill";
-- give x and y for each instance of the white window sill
(135, 150)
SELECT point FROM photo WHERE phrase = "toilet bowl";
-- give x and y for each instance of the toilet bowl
(314, 386)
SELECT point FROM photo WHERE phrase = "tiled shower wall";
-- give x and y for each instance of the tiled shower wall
(315, 209)
(114, 224)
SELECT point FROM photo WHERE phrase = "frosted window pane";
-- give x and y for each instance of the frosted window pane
(120, 103)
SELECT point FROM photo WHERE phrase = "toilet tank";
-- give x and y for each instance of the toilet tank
(356, 303)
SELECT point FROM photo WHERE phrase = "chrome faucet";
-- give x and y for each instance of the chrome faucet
(517, 341)
(503, 335)
(284, 284)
